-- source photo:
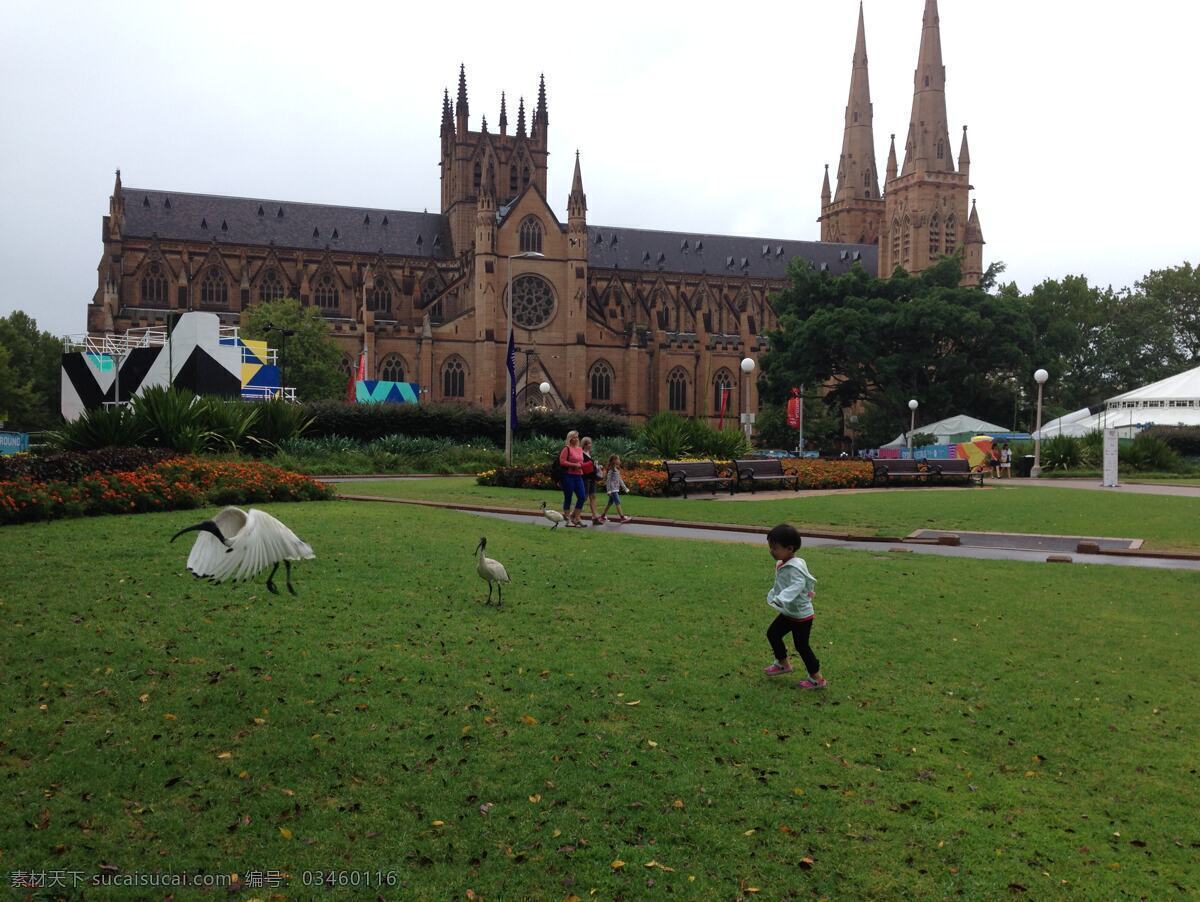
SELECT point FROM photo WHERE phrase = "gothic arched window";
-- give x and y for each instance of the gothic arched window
(271, 287)
(723, 397)
(525, 177)
(454, 378)
(941, 151)
(951, 241)
(531, 235)
(154, 285)
(380, 300)
(326, 293)
(214, 290)
(895, 242)
(478, 178)
(906, 239)
(392, 369)
(677, 390)
(935, 237)
(512, 179)
(601, 381)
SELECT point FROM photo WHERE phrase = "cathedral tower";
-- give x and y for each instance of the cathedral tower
(855, 211)
(926, 209)
(470, 159)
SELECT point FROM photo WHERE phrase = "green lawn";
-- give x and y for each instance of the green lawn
(1163, 522)
(988, 725)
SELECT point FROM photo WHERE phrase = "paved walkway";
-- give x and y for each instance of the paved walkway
(1125, 488)
(964, 551)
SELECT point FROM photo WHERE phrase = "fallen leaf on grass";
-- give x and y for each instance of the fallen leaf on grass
(168, 717)
(806, 863)
(678, 803)
(224, 755)
(535, 798)
(617, 864)
(439, 823)
(285, 832)
(749, 832)
(637, 702)
(528, 719)
(144, 697)
(661, 867)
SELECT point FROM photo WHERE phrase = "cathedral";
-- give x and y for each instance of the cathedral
(634, 321)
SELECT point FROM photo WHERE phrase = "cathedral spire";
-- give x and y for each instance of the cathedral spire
(521, 118)
(447, 115)
(543, 110)
(891, 163)
(928, 143)
(825, 188)
(503, 116)
(857, 174)
(974, 233)
(964, 155)
(577, 202)
(462, 112)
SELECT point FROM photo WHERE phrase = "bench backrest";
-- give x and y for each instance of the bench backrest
(898, 465)
(700, 469)
(760, 467)
(954, 465)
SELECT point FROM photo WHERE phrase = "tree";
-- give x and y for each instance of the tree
(30, 391)
(313, 362)
(1179, 289)
(884, 341)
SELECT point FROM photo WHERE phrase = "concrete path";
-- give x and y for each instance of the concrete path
(1125, 488)
(963, 551)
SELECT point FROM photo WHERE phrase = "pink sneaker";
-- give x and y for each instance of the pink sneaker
(626, 519)
(810, 683)
(777, 669)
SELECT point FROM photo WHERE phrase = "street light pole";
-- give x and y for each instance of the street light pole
(1040, 378)
(912, 424)
(508, 376)
(747, 421)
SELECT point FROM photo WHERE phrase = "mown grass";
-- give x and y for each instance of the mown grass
(1163, 522)
(988, 727)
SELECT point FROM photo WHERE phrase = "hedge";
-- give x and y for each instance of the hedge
(1184, 440)
(70, 466)
(367, 422)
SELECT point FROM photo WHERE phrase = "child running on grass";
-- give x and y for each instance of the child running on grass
(614, 485)
(792, 597)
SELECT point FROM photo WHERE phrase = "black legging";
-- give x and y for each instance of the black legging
(800, 630)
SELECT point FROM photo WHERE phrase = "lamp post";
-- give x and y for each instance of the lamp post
(544, 388)
(508, 376)
(912, 424)
(747, 417)
(283, 337)
(1040, 378)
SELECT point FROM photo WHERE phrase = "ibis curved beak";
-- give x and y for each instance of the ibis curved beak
(205, 526)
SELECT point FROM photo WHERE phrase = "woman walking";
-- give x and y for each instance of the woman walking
(570, 458)
(591, 473)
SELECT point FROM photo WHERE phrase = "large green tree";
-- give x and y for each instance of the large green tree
(883, 341)
(1178, 288)
(30, 389)
(311, 359)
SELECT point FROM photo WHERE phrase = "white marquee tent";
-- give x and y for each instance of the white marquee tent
(1174, 401)
(942, 430)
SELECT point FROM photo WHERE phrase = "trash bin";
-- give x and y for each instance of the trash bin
(1025, 466)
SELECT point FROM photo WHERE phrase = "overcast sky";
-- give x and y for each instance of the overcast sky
(712, 117)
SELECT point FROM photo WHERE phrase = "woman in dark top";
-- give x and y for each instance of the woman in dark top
(591, 472)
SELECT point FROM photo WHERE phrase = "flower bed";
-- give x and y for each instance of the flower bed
(649, 478)
(181, 482)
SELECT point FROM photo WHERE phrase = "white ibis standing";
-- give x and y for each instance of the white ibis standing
(553, 516)
(492, 571)
(237, 545)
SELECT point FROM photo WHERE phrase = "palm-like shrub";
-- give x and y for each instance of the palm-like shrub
(101, 427)
(1148, 452)
(725, 444)
(668, 435)
(1061, 452)
(228, 422)
(172, 418)
(278, 421)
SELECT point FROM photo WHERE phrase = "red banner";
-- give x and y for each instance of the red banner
(793, 409)
(724, 403)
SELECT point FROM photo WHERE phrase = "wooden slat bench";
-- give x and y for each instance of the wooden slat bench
(953, 470)
(754, 472)
(700, 473)
(933, 470)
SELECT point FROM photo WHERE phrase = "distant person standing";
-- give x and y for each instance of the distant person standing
(614, 485)
(994, 455)
(570, 458)
(1005, 461)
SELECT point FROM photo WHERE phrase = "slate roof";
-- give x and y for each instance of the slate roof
(202, 217)
(697, 254)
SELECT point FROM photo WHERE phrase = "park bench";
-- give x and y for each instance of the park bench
(754, 472)
(701, 473)
(953, 469)
(929, 471)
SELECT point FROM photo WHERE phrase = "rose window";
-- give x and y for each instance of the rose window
(532, 302)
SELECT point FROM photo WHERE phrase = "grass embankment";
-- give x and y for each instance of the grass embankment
(988, 725)
(1165, 523)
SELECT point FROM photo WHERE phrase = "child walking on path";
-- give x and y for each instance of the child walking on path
(792, 597)
(614, 485)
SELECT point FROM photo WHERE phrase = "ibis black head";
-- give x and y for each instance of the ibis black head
(204, 526)
(482, 543)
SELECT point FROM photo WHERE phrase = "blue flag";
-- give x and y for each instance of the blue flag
(512, 382)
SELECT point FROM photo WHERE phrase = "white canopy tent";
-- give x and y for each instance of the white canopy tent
(1174, 401)
(943, 430)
